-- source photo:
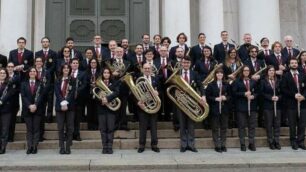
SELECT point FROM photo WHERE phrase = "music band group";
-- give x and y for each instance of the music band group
(230, 85)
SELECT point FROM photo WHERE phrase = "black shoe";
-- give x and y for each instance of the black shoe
(124, 128)
(242, 147)
(41, 139)
(77, 138)
(34, 151)
(104, 151)
(10, 140)
(140, 150)
(252, 147)
(68, 151)
(62, 151)
(110, 151)
(2, 151)
(155, 149)
(223, 149)
(29, 150)
(49, 118)
(271, 146)
(294, 146)
(193, 149)
(176, 128)
(302, 146)
(183, 149)
(278, 146)
(218, 149)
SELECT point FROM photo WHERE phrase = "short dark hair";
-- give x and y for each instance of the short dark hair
(274, 44)
(69, 39)
(252, 47)
(224, 31)
(45, 37)
(166, 38)
(156, 36)
(21, 38)
(262, 39)
(187, 58)
(201, 34)
(144, 35)
(148, 51)
(181, 34)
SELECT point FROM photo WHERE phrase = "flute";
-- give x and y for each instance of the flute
(274, 103)
(298, 102)
(249, 100)
(220, 95)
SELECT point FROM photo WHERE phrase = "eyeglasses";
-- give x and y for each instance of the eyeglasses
(67, 51)
(10, 66)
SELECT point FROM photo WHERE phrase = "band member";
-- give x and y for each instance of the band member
(243, 50)
(32, 93)
(3, 60)
(270, 90)
(220, 50)
(244, 89)
(254, 64)
(14, 77)
(145, 119)
(97, 49)
(265, 52)
(302, 62)
(111, 51)
(88, 56)
(293, 88)
(157, 44)
(276, 59)
(127, 51)
(65, 59)
(49, 58)
(181, 39)
(187, 124)
(288, 51)
(92, 74)
(218, 96)
(74, 53)
(80, 94)
(137, 59)
(106, 116)
(166, 41)
(65, 92)
(7, 89)
(196, 52)
(146, 42)
(231, 64)
(21, 57)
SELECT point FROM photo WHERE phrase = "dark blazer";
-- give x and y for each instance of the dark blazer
(16, 80)
(81, 85)
(114, 87)
(284, 52)
(266, 91)
(27, 58)
(158, 65)
(289, 89)
(195, 82)
(261, 54)
(50, 60)
(46, 81)
(272, 60)
(89, 77)
(243, 52)
(196, 53)
(212, 92)
(59, 97)
(103, 51)
(28, 98)
(239, 89)
(220, 52)
(202, 70)
(259, 65)
(3, 60)
(173, 50)
(7, 100)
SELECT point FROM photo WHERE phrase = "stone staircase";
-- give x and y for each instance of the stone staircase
(168, 138)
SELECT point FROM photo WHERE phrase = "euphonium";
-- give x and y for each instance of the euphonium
(103, 92)
(116, 66)
(181, 93)
(210, 78)
(143, 91)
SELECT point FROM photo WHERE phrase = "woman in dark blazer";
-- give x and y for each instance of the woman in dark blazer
(106, 116)
(64, 106)
(245, 93)
(32, 93)
(270, 90)
(218, 96)
(7, 89)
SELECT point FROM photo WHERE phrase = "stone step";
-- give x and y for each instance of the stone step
(133, 134)
(167, 143)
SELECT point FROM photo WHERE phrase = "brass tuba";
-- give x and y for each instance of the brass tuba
(115, 104)
(186, 98)
(211, 76)
(143, 91)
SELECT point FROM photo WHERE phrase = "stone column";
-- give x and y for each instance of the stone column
(154, 17)
(211, 20)
(176, 19)
(40, 22)
(260, 18)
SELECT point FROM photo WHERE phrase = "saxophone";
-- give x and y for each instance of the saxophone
(211, 77)
(235, 73)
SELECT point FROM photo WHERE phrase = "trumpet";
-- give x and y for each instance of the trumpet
(187, 100)
(104, 91)
(143, 91)
(211, 77)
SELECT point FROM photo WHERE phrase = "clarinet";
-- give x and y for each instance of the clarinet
(298, 102)
(220, 102)
(274, 103)
(76, 87)
(5, 91)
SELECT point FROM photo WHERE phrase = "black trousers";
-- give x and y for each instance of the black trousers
(107, 128)
(186, 130)
(146, 120)
(297, 125)
(175, 120)
(65, 120)
(13, 123)
(79, 112)
(33, 129)
(121, 118)
(50, 101)
(5, 119)
(244, 120)
(43, 119)
(92, 118)
(219, 129)
(272, 124)
(166, 107)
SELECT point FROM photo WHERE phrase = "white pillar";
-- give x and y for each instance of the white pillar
(211, 20)
(154, 17)
(260, 18)
(176, 19)
(40, 22)
(13, 24)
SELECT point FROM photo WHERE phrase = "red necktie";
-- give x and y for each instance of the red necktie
(266, 53)
(164, 68)
(72, 73)
(139, 59)
(247, 85)
(39, 75)
(32, 87)
(106, 82)
(186, 77)
(97, 51)
(272, 83)
(295, 77)
(207, 64)
(64, 88)
(279, 60)
(67, 60)
(20, 57)
(46, 54)
(304, 67)
(289, 52)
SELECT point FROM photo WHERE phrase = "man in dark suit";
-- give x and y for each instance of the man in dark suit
(3, 60)
(74, 53)
(111, 51)
(254, 64)
(220, 50)
(243, 50)
(293, 88)
(127, 51)
(276, 59)
(289, 51)
(187, 138)
(97, 48)
(21, 57)
(157, 44)
(49, 58)
(196, 51)
(265, 52)
(181, 39)
(146, 42)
